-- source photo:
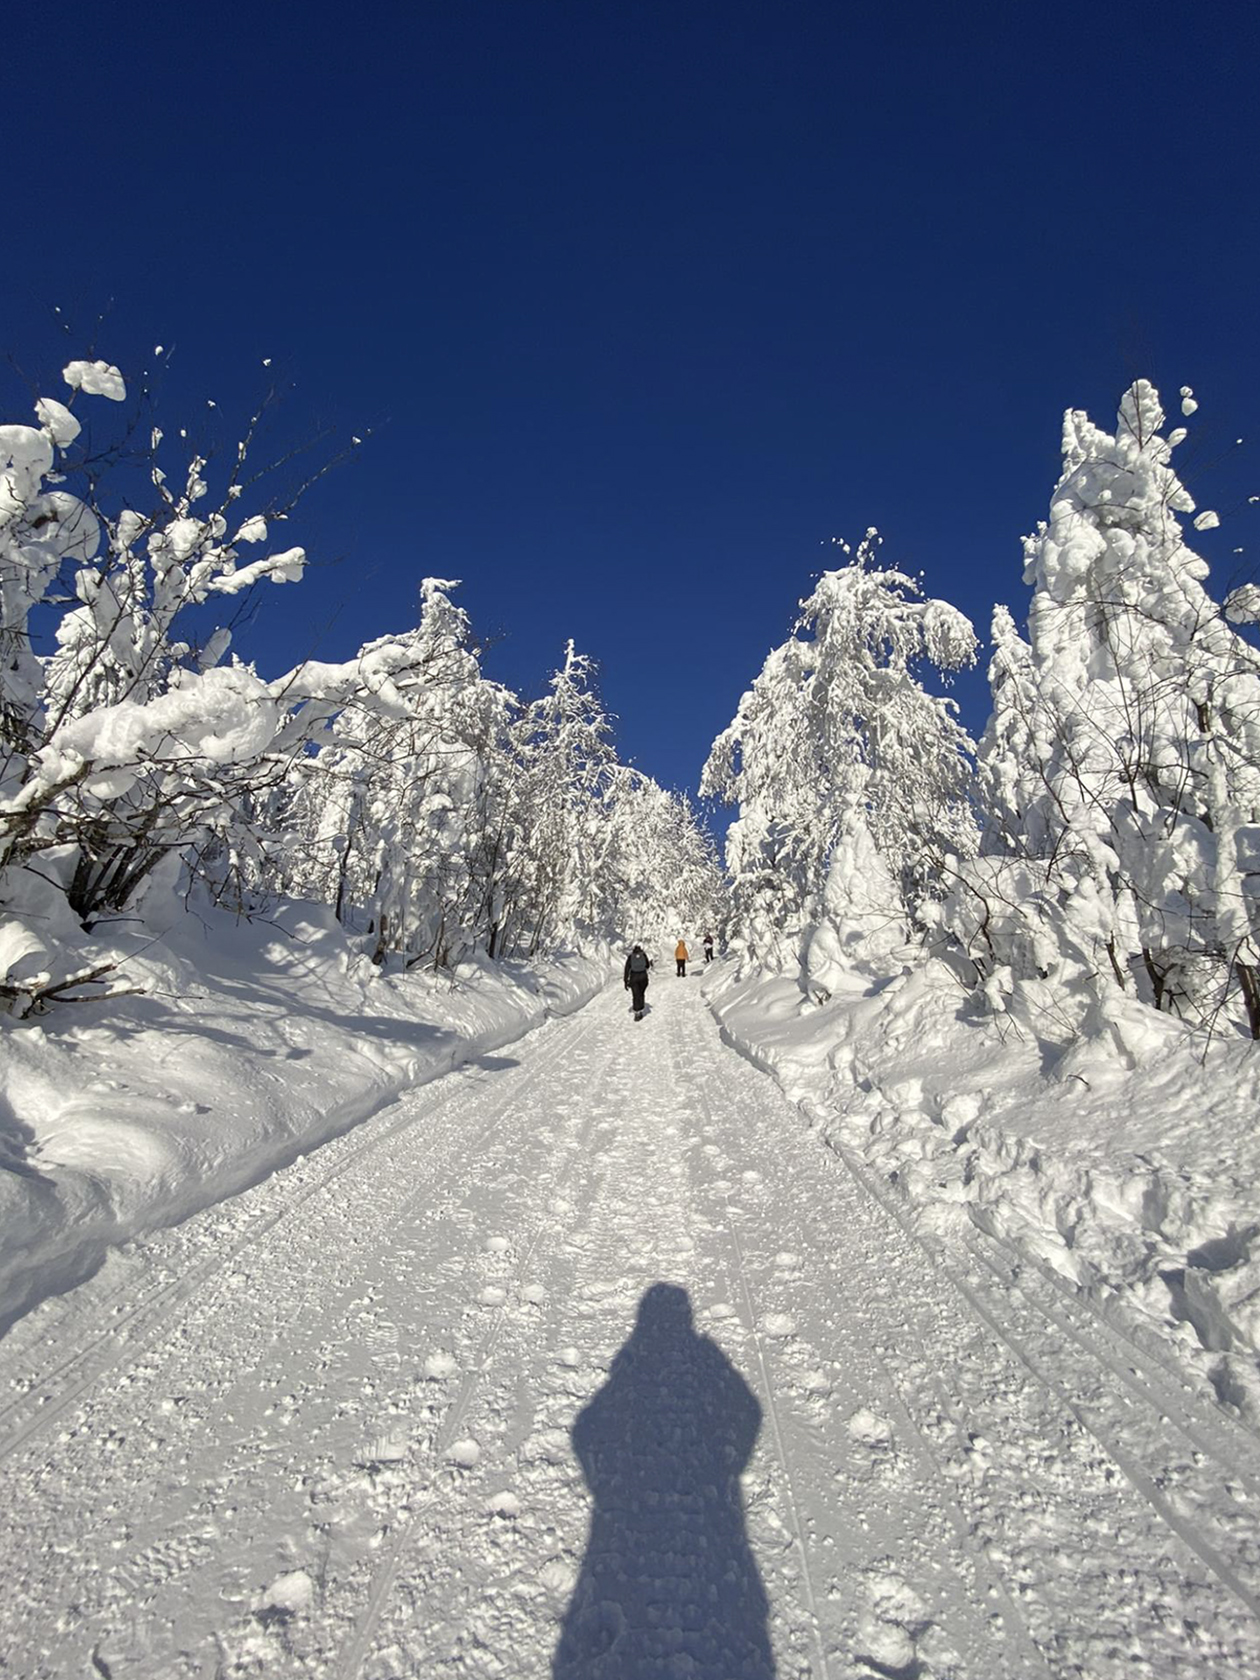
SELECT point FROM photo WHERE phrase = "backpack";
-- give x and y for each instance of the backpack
(638, 963)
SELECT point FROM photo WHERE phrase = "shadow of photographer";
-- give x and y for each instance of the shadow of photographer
(668, 1585)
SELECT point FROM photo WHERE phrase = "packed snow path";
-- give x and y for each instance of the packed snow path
(591, 1361)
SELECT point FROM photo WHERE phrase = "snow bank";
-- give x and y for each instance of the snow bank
(256, 1043)
(1128, 1164)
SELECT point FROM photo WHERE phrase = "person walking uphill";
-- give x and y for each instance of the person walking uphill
(680, 957)
(635, 976)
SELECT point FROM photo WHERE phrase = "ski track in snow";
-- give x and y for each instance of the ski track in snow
(328, 1428)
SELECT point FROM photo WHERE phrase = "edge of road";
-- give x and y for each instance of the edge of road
(61, 1221)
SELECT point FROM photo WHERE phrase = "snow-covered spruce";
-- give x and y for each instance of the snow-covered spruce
(1120, 771)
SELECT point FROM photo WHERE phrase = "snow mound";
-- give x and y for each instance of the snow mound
(257, 1043)
(1123, 1165)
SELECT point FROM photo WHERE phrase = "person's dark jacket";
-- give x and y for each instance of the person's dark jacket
(628, 974)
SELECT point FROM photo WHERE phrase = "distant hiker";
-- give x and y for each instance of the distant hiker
(708, 947)
(680, 957)
(636, 979)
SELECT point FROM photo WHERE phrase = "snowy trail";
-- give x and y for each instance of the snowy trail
(339, 1426)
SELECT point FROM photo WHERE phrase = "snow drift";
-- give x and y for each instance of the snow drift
(257, 1042)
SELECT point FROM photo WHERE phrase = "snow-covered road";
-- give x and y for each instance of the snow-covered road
(590, 1359)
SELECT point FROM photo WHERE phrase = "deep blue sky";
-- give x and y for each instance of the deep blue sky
(647, 301)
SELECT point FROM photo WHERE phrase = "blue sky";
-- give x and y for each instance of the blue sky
(642, 303)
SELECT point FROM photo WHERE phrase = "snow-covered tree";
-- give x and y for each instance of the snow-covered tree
(385, 820)
(1122, 762)
(472, 821)
(851, 779)
(660, 875)
(563, 744)
(423, 801)
(129, 745)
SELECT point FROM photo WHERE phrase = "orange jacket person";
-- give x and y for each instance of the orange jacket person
(680, 957)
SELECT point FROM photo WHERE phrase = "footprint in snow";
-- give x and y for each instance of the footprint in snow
(893, 1626)
(383, 1452)
(558, 1577)
(874, 1434)
(869, 1429)
(549, 1446)
(497, 1245)
(492, 1296)
(778, 1325)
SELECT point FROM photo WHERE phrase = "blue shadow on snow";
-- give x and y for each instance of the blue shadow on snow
(668, 1585)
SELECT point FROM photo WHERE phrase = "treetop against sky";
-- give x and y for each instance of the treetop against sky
(636, 306)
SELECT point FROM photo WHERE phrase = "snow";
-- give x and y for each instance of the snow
(95, 379)
(284, 1438)
(57, 420)
(288, 1595)
(886, 1302)
(1242, 605)
(256, 1044)
(253, 530)
(1124, 1166)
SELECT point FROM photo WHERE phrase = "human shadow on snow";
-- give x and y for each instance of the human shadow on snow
(668, 1584)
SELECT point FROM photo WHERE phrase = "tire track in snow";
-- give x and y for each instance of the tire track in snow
(1163, 1484)
(880, 1382)
(1135, 1473)
(1226, 1441)
(350, 1663)
(85, 1458)
(484, 1595)
(136, 1328)
(737, 1273)
(1157, 1598)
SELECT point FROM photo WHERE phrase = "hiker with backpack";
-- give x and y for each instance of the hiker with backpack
(635, 976)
